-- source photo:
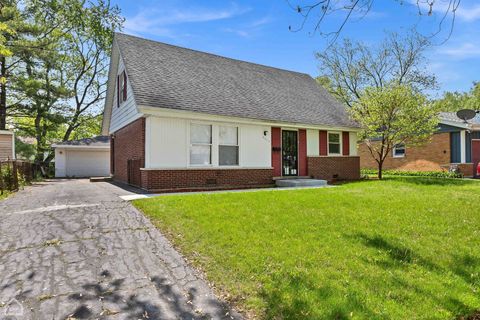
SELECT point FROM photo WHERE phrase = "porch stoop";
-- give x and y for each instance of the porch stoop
(282, 183)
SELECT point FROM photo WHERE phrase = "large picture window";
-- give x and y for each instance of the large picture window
(200, 144)
(228, 146)
(334, 143)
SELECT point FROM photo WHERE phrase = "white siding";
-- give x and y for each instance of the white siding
(255, 146)
(168, 141)
(127, 112)
(353, 144)
(60, 163)
(313, 143)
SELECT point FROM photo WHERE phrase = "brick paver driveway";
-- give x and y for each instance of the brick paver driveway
(74, 250)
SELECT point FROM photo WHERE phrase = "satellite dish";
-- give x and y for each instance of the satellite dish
(466, 114)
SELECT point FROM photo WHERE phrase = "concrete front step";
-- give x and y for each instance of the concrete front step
(300, 183)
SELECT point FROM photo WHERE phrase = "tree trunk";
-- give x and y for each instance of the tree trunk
(380, 168)
(3, 94)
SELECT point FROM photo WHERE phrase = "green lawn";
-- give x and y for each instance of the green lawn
(402, 248)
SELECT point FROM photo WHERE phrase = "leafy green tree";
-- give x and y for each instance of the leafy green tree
(351, 67)
(61, 87)
(454, 101)
(391, 115)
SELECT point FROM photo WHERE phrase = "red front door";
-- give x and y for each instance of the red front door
(475, 155)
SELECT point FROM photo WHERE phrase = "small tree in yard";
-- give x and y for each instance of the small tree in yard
(392, 115)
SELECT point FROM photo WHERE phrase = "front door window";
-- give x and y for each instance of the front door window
(289, 153)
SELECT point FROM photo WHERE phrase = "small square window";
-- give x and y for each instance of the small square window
(399, 150)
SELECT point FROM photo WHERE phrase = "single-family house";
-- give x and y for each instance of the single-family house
(189, 120)
(456, 143)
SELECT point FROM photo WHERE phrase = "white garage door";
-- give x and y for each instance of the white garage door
(86, 163)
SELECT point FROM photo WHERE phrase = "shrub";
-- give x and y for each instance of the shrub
(432, 174)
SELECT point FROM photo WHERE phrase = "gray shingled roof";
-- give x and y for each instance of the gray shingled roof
(452, 116)
(171, 77)
(100, 141)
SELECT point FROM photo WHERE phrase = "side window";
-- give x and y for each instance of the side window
(228, 146)
(200, 144)
(399, 150)
(334, 143)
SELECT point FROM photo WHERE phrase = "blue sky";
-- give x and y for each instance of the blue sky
(257, 31)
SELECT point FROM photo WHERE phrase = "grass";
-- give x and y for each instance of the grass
(402, 248)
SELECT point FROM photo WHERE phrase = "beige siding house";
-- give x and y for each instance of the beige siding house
(7, 145)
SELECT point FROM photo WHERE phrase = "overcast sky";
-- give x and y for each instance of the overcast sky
(257, 31)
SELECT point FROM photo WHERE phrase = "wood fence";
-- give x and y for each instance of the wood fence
(16, 173)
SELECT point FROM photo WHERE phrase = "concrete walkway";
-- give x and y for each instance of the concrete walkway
(73, 249)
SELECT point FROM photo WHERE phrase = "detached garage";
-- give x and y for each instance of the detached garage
(83, 158)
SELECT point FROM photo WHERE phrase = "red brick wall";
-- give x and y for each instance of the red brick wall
(429, 157)
(276, 151)
(466, 169)
(129, 144)
(346, 168)
(302, 152)
(190, 179)
(323, 148)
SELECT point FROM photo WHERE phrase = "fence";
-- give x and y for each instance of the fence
(16, 173)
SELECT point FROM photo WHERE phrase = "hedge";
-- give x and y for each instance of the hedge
(433, 174)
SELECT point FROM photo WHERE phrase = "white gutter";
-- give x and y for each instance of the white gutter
(66, 146)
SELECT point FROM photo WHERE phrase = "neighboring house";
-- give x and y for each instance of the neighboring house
(184, 119)
(83, 158)
(7, 145)
(456, 143)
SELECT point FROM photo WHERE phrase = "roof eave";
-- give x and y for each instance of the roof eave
(173, 113)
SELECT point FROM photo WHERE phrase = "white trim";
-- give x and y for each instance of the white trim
(207, 168)
(6, 132)
(61, 146)
(455, 124)
(399, 156)
(188, 115)
(463, 149)
(340, 139)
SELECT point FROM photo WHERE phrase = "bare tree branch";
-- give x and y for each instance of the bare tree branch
(319, 11)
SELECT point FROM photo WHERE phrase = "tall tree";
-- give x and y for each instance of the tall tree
(8, 22)
(89, 41)
(391, 115)
(351, 67)
(62, 85)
